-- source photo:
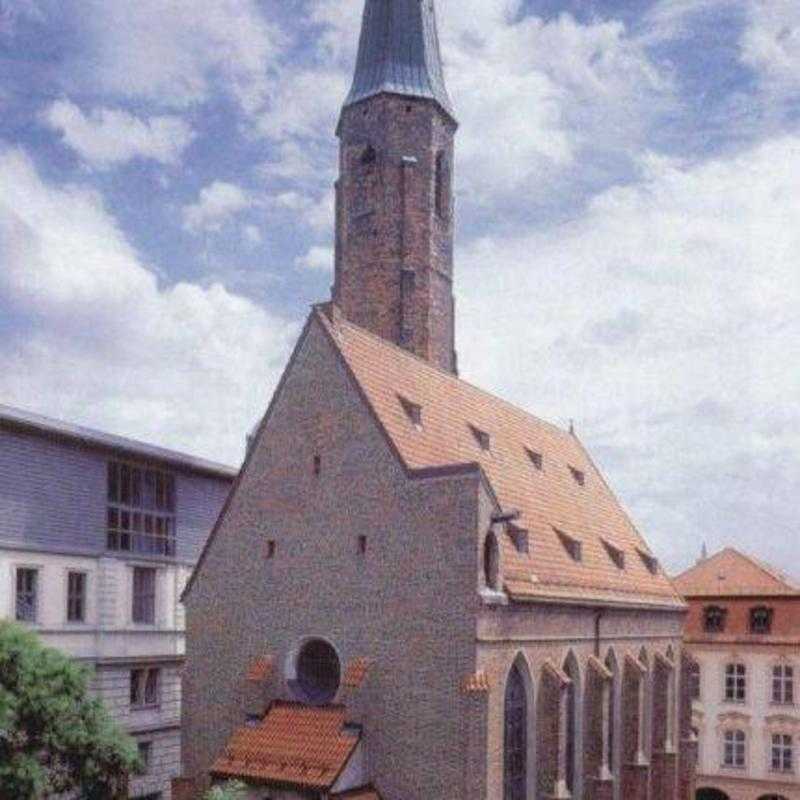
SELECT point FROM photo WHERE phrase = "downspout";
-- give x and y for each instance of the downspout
(598, 616)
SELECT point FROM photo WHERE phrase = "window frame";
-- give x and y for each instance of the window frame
(153, 608)
(721, 614)
(35, 570)
(738, 747)
(84, 598)
(760, 619)
(780, 678)
(785, 752)
(141, 509)
(735, 677)
(144, 680)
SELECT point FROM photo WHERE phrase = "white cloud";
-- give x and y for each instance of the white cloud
(771, 44)
(555, 93)
(317, 258)
(174, 53)
(101, 342)
(665, 321)
(253, 235)
(108, 137)
(218, 203)
(307, 209)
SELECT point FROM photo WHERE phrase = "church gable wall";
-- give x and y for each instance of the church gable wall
(403, 598)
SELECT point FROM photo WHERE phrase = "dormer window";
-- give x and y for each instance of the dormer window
(520, 537)
(482, 438)
(578, 476)
(651, 562)
(714, 619)
(573, 546)
(760, 620)
(615, 554)
(413, 411)
(536, 459)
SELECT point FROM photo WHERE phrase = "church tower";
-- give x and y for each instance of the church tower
(394, 200)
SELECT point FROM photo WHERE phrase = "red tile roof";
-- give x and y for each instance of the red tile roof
(476, 683)
(549, 498)
(730, 573)
(356, 673)
(294, 745)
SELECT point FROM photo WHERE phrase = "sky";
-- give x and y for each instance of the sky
(628, 238)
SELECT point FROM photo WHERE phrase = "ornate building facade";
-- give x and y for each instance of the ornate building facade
(743, 632)
(416, 590)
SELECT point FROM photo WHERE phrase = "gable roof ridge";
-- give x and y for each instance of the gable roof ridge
(247, 457)
(427, 365)
(767, 569)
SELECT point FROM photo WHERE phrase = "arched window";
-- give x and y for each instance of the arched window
(515, 754)
(572, 721)
(491, 563)
(760, 619)
(611, 665)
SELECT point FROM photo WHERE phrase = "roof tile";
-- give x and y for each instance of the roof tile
(295, 745)
(548, 499)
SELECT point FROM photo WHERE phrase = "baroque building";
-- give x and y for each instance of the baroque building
(417, 591)
(98, 536)
(743, 631)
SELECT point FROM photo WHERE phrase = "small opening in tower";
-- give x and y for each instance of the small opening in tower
(317, 465)
(408, 109)
(271, 549)
(369, 155)
(362, 545)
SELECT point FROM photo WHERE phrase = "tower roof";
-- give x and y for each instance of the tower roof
(399, 53)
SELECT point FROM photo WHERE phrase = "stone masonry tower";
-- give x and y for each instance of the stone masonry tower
(394, 202)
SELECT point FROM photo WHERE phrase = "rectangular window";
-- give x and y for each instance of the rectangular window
(783, 685)
(144, 595)
(76, 597)
(760, 620)
(782, 753)
(144, 687)
(144, 749)
(695, 681)
(141, 510)
(27, 594)
(735, 750)
(736, 683)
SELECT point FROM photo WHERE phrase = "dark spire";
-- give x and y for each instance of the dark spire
(399, 53)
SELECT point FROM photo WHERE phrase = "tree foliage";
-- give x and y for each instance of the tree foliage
(54, 737)
(233, 790)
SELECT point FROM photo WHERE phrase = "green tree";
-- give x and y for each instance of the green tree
(233, 790)
(54, 737)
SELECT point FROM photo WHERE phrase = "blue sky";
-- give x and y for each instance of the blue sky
(628, 234)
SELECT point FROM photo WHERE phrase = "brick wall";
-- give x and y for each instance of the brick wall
(394, 241)
(407, 604)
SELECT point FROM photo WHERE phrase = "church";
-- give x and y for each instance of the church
(416, 590)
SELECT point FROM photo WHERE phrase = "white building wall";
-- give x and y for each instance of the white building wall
(758, 716)
(52, 518)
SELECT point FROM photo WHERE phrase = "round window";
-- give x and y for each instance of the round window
(318, 672)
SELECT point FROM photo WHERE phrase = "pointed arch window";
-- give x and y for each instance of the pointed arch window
(515, 752)
(572, 725)
(611, 666)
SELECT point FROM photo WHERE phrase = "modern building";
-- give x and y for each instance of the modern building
(98, 535)
(417, 591)
(743, 632)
